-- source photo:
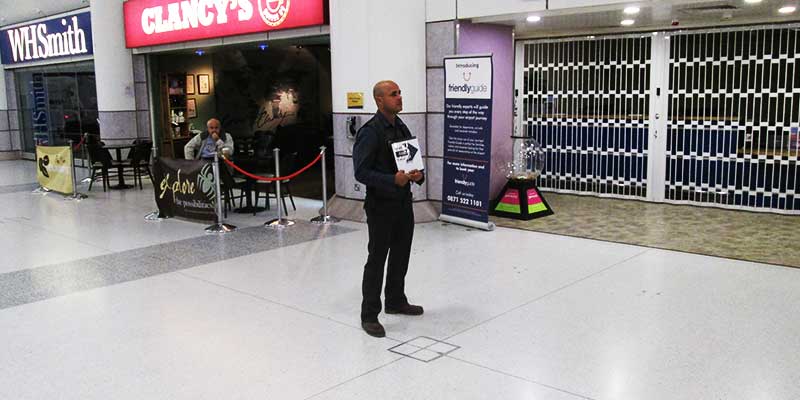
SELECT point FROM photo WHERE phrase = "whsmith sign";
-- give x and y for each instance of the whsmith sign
(66, 36)
(153, 22)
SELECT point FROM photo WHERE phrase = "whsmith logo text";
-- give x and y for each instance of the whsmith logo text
(36, 42)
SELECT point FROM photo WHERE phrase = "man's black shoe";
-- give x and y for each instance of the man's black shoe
(373, 329)
(408, 309)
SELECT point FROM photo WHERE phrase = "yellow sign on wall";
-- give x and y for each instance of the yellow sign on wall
(54, 168)
(355, 99)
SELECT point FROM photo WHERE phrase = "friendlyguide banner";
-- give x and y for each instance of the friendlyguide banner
(54, 168)
(467, 140)
(185, 188)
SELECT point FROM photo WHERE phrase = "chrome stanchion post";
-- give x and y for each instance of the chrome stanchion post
(87, 167)
(75, 195)
(324, 218)
(280, 222)
(219, 227)
(155, 215)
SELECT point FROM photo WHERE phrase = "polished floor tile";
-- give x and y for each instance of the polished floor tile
(101, 304)
(175, 337)
(663, 325)
(444, 378)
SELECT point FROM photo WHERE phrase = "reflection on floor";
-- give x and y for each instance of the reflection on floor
(762, 237)
(122, 308)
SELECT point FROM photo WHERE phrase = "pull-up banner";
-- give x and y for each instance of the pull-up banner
(185, 188)
(467, 140)
(54, 168)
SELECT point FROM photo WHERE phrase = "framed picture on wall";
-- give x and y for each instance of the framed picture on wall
(189, 84)
(191, 108)
(203, 84)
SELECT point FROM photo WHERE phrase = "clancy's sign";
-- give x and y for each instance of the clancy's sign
(153, 22)
(66, 36)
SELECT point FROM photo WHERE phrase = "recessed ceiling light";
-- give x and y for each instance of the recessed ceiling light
(627, 22)
(787, 9)
(533, 18)
(752, 1)
(631, 10)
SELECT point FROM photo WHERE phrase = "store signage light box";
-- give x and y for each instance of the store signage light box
(65, 36)
(154, 22)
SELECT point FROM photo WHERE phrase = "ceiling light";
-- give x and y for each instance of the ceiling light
(631, 10)
(787, 9)
(627, 22)
(199, 52)
(752, 1)
(533, 18)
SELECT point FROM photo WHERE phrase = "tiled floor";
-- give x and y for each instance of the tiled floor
(107, 305)
(750, 236)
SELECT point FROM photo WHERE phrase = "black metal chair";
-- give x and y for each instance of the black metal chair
(100, 161)
(140, 161)
(227, 184)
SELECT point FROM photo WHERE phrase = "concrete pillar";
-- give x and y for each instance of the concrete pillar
(116, 100)
(373, 40)
(9, 124)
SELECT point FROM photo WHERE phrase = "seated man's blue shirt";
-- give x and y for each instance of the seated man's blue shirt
(209, 148)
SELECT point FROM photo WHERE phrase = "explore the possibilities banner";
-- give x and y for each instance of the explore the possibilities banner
(467, 140)
(185, 188)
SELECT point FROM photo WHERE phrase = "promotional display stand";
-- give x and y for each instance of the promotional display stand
(521, 199)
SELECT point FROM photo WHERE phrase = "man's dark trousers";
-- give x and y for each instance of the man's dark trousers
(391, 230)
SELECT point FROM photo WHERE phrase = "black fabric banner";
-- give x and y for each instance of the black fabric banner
(185, 189)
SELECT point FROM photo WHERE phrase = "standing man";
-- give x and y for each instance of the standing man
(390, 217)
(208, 142)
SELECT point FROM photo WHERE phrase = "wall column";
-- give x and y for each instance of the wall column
(113, 64)
(373, 40)
(9, 121)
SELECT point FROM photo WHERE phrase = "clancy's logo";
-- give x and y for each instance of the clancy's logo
(273, 12)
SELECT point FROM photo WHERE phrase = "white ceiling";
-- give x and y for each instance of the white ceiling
(14, 11)
(653, 15)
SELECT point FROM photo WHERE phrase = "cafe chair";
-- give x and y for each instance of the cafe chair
(227, 184)
(140, 161)
(100, 162)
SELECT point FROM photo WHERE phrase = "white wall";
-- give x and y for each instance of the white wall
(561, 4)
(113, 64)
(372, 40)
(440, 10)
(484, 8)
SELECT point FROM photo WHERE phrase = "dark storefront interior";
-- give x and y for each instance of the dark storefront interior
(56, 103)
(266, 95)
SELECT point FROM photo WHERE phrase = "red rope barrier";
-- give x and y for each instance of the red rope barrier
(277, 178)
(78, 146)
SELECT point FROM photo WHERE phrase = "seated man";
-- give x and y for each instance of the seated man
(205, 144)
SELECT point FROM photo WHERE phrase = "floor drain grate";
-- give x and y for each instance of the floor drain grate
(424, 349)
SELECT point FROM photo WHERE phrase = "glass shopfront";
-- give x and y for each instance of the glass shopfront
(57, 103)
